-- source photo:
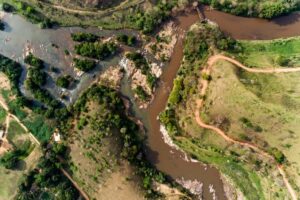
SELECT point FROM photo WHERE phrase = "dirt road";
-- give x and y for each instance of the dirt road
(199, 103)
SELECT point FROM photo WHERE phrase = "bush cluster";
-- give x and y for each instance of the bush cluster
(127, 40)
(84, 37)
(96, 50)
(142, 94)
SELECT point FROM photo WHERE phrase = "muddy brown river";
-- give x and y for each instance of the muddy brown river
(173, 162)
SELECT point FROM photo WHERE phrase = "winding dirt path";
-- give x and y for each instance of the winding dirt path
(199, 103)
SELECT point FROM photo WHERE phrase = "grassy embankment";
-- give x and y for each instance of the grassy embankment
(254, 8)
(273, 53)
(252, 174)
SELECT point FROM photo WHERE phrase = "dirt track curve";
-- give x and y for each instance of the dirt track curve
(204, 85)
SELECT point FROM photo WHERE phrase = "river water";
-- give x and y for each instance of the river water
(19, 34)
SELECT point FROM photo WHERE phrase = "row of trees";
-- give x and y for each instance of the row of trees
(254, 8)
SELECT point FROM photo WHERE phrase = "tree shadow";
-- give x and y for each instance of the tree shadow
(287, 19)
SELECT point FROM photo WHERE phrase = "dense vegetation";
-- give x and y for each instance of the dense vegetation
(46, 181)
(84, 64)
(149, 20)
(142, 64)
(84, 37)
(255, 8)
(36, 78)
(11, 159)
(114, 118)
(13, 71)
(129, 40)
(96, 50)
(29, 12)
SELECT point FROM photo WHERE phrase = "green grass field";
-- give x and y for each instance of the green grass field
(248, 101)
(16, 134)
(273, 53)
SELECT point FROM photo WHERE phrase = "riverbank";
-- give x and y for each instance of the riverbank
(207, 147)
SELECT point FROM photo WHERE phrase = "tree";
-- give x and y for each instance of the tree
(84, 64)
(64, 81)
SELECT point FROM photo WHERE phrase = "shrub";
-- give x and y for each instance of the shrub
(278, 155)
(37, 76)
(84, 64)
(282, 61)
(128, 40)
(272, 9)
(12, 158)
(7, 7)
(141, 93)
(34, 61)
(64, 81)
